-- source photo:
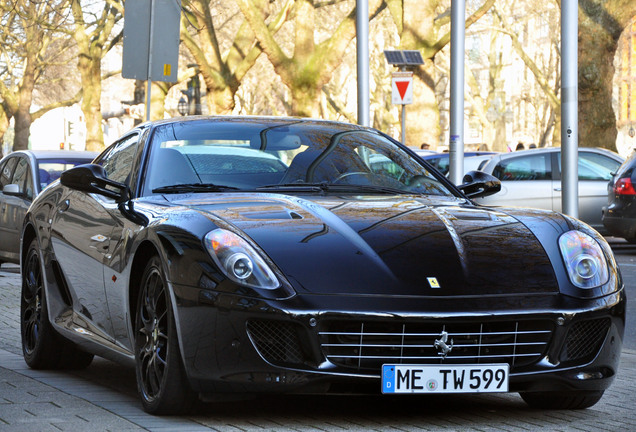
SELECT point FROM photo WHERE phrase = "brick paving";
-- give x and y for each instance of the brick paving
(103, 398)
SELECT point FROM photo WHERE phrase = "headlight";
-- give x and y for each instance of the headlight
(238, 260)
(584, 259)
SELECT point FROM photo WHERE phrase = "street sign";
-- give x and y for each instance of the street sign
(151, 40)
(402, 88)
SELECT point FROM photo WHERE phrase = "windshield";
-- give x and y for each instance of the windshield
(213, 155)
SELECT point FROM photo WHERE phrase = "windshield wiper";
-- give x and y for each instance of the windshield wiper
(194, 187)
(296, 186)
(331, 187)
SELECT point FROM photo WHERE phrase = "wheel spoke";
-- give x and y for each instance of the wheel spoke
(152, 334)
(32, 292)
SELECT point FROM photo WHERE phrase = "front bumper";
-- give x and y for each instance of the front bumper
(312, 344)
(620, 226)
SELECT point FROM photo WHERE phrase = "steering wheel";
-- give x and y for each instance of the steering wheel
(421, 181)
(347, 175)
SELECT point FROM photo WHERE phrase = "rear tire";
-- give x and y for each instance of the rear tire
(161, 378)
(42, 346)
(562, 400)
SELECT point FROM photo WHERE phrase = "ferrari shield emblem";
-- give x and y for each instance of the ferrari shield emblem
(433, 282)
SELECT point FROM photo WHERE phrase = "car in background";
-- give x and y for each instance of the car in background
(532, 178)
(472, 160)
(619, 215)
(241, 256)
(23, 175)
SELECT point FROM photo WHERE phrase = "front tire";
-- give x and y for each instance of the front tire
(42, 346)
(161, 377)
(562, 400)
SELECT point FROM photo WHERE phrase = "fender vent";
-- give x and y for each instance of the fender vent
(60, 280)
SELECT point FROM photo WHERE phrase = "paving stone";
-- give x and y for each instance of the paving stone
(103, 398)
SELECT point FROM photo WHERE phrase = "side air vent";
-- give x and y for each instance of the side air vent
(60, 280)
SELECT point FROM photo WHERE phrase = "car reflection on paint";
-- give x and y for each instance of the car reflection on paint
(236, 256)
(23, 175)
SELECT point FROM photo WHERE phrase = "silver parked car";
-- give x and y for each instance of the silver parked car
(23, 175)
(532, 178)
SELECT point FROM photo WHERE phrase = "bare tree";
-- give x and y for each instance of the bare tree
(311, 65)
(95, 31)
(423, 25)
(224, 47)
(31, 41)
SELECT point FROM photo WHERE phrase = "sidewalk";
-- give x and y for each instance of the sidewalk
(103, 398)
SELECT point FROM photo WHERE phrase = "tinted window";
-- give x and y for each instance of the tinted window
(594, 166)
(28, 188)
(118, 161)
(250, 155)
(530, 167)
(20, 174)
(7, 172)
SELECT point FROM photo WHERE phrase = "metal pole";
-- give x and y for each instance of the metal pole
(456, 143)
(569, 107)
(403, 124)
(149, 81)
(362, 42)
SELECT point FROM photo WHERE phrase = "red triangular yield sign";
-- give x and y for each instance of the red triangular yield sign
(402, 86)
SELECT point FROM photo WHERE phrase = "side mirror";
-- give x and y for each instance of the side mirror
(11, 189)
(479, 184)
(92, 178)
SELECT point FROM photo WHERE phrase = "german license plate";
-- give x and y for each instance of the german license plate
(482, 378)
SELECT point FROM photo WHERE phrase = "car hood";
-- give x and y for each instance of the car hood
(390, 245)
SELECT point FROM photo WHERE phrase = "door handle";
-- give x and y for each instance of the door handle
(64, 206)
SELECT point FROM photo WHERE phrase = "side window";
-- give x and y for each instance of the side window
(7, 172)
(21, 173)
(531, 167)
(118, 161)
(594, 166)
(28, 189)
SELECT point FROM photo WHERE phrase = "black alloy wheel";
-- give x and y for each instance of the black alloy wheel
(161, 379)
(31, 305)
(42, 347)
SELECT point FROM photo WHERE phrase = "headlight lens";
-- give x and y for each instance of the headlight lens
(238, 260)
(584, 259)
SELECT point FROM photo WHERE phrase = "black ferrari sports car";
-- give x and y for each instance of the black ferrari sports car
(237, 256)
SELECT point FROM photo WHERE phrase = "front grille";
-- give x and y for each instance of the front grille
(276, 341)
(368, 345)
(585, 339)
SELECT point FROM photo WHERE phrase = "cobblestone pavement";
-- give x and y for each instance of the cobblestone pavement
(103, 398)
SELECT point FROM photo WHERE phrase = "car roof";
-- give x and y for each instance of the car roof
(548, 150)
(55, 154)
(542, 150)
(62, 154)
(467, 154)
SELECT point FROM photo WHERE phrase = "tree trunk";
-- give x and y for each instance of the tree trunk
(22, 116)
(90, 70)
(158, 99)
(4, 125)
(600, 26)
